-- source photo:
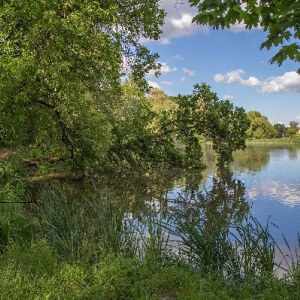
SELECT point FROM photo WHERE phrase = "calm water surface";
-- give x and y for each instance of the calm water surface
(265, 179)
(272, 178)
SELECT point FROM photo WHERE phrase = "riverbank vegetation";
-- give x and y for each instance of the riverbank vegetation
(94, 247)
(75, 104)
(72, 89)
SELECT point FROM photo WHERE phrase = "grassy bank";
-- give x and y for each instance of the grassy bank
(38, 274)
(281, 141)
(59, 248)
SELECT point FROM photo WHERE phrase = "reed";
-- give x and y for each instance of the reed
(240, 251)
(86, 229)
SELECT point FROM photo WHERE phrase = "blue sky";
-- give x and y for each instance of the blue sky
(230, 61)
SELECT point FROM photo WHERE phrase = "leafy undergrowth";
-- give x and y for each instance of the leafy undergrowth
(37, 273)
(60, 249)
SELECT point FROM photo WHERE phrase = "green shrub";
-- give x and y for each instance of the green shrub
(16, 225)
(13, 184)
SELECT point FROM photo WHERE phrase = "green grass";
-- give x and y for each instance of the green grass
(38, 273)
(281, 141)
(63, 249)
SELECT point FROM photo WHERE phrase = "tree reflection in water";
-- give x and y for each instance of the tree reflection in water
(201, 220)
(224, 202)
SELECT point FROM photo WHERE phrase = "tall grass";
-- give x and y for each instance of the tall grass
(255, 249)
(239, 249)
(85, 229)
(95, 249)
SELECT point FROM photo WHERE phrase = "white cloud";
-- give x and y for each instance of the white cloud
(288, 82)
(239, 27)
(178, 22)
(228, 97)
(182, 79)
(183, 23)
(167, 82)
(188, 72)
(153, 84)
(177, 57)
(166, 69)
(235, 77)
(219, 78)
(163, 70)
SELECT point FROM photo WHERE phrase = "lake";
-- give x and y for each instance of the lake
(264, 180)
(271, 174)
(271, 177)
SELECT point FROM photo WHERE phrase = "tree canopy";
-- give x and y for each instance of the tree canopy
(281, 19)
(293, 129)
(160, 101)
(203, 114)
(260, 127)
(171, 135)
(280, 129)
(61, 64)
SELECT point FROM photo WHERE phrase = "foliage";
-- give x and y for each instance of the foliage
(203, 114)
(281, 130)
(170, 134)
(219, 238)
(256, 249)
(279, 18)
(13, 174)
(292, 130)
(61, 65)
(260, 127)
(202, 221)
(138, 140)
(160, 101)
(83, 230)
(16, 225)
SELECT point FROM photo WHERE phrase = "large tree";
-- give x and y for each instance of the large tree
(171, 135)
(293, 129)
(280, 129)
(160, 101)
(203, 114)
(281, 19)
(260, 127)
(61, 63)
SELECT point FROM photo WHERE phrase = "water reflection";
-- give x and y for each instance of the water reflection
(256, 157)
(278, 180)
(268, 180)
(251, 160)
(293, 153)
(223, 200)
(135, 192)
(286, 193)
